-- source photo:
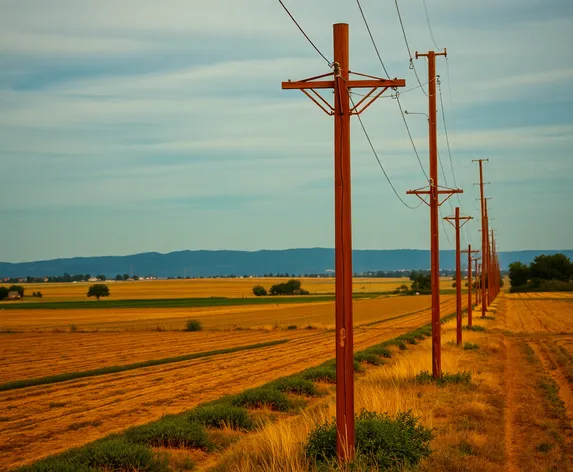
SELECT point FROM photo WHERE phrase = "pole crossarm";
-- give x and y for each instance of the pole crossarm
(428, 191)
(455, 222)
(310, 85)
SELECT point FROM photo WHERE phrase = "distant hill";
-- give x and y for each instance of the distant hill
(214, 263)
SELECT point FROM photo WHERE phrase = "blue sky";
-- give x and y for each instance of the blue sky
(135, 125)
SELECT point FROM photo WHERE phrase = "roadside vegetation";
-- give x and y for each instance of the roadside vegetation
(547, 273)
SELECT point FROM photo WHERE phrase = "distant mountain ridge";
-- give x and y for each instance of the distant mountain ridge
(215, 263)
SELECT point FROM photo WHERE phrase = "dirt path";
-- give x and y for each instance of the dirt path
(552, 367)
(511, 373)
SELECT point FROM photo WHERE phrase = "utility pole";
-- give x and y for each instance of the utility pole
(339, 80)
(457, 222)
(483, 238)
(487, 265)
(470, 259)
(478, 288)
(434, 191)
(493, 270)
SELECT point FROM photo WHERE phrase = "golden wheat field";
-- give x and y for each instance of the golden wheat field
(214, 317)
(191, 288)
(42, 420)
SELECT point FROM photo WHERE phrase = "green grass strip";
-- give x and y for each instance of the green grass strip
(137, 365)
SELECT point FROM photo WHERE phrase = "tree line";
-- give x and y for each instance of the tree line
(553, 272)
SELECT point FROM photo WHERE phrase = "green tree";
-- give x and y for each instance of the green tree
(551, 267)
(125, 276)
(421, 281)
(101, 277)
(259, 290)
(17, 288)
(518, 274)
(98, 291)
(3, 293)
(118, 277)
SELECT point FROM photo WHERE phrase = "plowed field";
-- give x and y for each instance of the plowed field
(43, 420)
(540, 313)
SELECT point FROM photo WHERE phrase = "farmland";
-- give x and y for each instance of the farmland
(44, 419)
(199, 288)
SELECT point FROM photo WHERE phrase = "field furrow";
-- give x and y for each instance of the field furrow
(40, 421)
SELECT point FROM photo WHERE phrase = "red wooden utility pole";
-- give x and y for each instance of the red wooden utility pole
(339, 80)
(470, 259)
(484, 268)
(478, 274)
(457, 222)
(434, 191)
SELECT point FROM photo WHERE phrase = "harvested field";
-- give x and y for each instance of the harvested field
(191, 288)
(223, 317)
(40, 421)
(541, 313)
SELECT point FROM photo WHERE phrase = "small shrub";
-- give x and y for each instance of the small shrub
(309, 327)
(73, 328)
(425, 377)
(325, 374)
(120, 455)
(193, 325)
(170, 431)
(401, 345)
(261, 397)
(544, 447)
(291, 327)
(296, 384)
(465, 449)
(380, 350)
(368, 357)
(382, 443)
(475, 328)
(470, 346)
(259, 291)
(220, 415)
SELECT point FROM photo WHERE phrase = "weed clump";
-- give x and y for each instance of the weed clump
(470, 346)
(220, 415)
(368, 357)
(463, 378)
(475, 328)
(291, 327)
(170, 431)
(325, 374)
(380, 350)
(261, 397)
(382, 443)
(296, 384)
(193, 325)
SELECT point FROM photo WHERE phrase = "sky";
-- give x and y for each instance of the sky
(130, 126)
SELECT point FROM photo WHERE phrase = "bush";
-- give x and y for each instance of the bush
(291, 327)
(380, 350)
(325, 374)
(470, 346)
(368, 357)
(193, 325)
(475, 328)
(220, 415)
(261, 397)
(425, 377)
(295, 384)
(170, 431)
(382, 443)
(120, 455)
(259, 291)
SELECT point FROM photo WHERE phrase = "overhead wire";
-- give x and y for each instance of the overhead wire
(412, 66)
(305, 35)
(378, 159)
(430, 26)
(397, 94)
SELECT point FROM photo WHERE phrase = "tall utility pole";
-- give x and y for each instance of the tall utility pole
(470, 259)
(457, 222)
(484, 268)
(339, 80)
(478, 289)
(434, 191)
(493, 284)
(487, 277)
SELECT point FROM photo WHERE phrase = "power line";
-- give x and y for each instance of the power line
(378, 159)
(397, 93)
(304, 34)
(430, 26)
(412, 66)
(372, 39)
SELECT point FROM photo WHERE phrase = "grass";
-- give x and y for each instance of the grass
(463, 378)
(137, 365)
(475, 328)
(368, 357)
(167, 302)
(296, 384)
(470, 346)
(173, 431)
(221, 416)
(261, 397)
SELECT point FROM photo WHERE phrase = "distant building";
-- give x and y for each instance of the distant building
(13, 295)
